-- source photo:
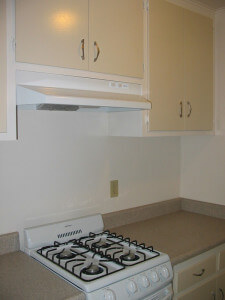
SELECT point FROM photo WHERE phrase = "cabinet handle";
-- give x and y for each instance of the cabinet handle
(98, 51)
(82, 48)
(181, 109)
(190, 109)
(222, 293)
(200, 274)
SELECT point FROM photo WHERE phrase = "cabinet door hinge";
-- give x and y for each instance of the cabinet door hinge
(146, 5)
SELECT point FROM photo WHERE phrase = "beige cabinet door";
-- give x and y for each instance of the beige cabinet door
(206, 291)
(166, 65)
(198, 75)
(52, 32)
(116, 37)
(3, 67)
(221, 287)
(188, 278)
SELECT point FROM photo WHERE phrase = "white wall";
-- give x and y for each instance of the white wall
(203, 158)
(57, 171)
(203, 168)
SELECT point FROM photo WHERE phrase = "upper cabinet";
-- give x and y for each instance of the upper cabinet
(166, 65)
(52, 33)
(181, 68)
(3, 68)
(95, 35)
(198, 71)
(116, 37)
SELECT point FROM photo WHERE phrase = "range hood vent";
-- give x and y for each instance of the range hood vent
(63, 99)
(57, 107)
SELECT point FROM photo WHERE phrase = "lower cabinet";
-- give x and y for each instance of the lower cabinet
(206, 291)
(220, 286)
(201, 277)
(210, 290)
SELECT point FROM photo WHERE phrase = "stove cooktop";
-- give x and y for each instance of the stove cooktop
(100, 263)
(97, 255)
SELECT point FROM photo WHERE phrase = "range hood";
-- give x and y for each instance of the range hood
(51, 98)
(43, 91)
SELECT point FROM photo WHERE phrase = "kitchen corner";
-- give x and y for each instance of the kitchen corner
(169, 228)
(112, 142)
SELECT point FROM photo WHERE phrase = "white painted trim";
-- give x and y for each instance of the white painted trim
(146, 51)
(214, 76)
(11, 84)
(195, 6)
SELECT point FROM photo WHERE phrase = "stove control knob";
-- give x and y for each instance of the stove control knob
(132, 287)
(109, 295)
(144, 282)
(165, 272)
(154, 276)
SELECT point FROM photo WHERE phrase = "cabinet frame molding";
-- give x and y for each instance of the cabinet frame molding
(11, 132)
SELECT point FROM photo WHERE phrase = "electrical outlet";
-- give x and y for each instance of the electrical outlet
(114, 190)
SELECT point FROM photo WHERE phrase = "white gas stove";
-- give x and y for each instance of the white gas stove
(101, 264)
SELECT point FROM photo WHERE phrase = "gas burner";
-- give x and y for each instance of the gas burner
(129, 257)
(66, 254)
(92, 270)
(101, 244)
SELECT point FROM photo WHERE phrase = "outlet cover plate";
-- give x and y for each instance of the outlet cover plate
(114, 189)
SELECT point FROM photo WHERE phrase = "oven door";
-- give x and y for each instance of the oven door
(163, 294)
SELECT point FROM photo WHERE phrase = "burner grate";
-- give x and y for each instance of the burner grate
(116, 245)
(83, 260)
(97, 255)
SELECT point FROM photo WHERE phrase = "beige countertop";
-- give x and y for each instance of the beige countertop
(22, 278)
(181, 235)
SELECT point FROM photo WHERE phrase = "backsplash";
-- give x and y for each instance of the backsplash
(62, 165)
